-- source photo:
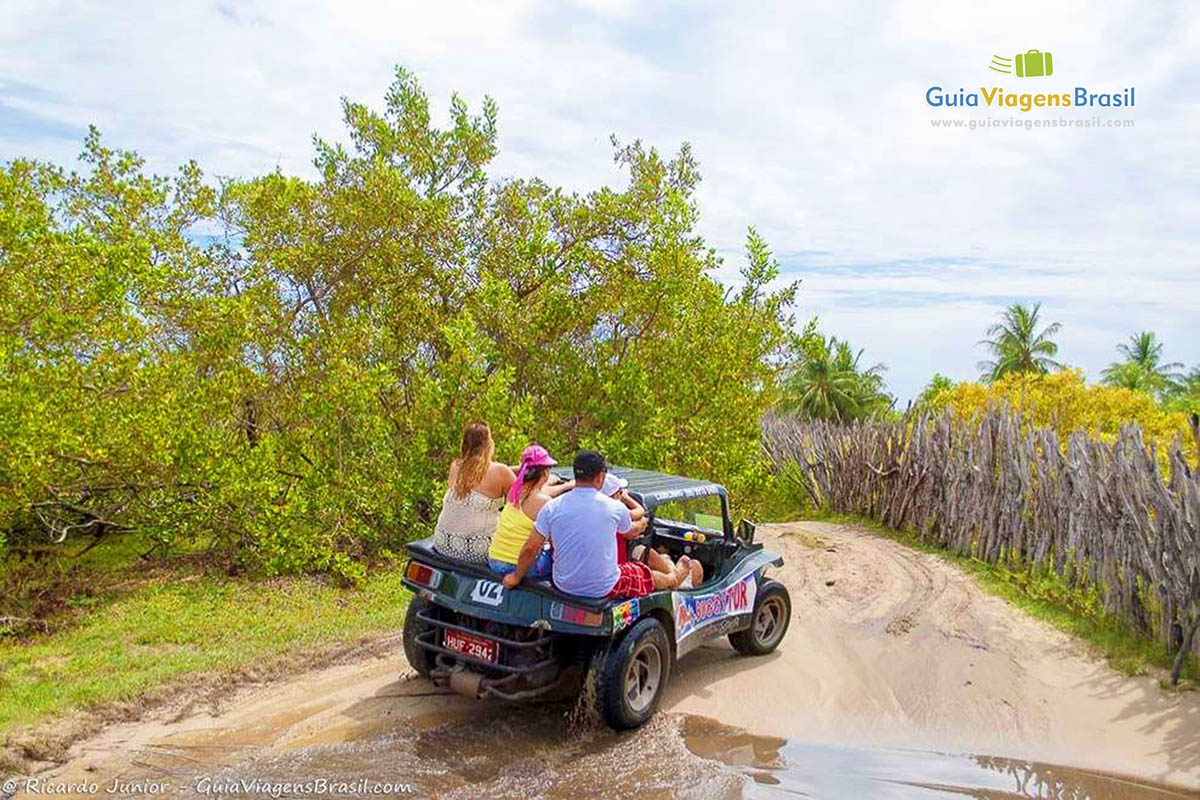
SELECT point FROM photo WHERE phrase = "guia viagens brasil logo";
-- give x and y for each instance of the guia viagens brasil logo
(1030, 64)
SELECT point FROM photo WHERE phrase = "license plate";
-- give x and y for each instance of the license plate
(473, 646)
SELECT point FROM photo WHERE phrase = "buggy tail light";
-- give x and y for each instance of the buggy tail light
(426, 576)
(575, 615)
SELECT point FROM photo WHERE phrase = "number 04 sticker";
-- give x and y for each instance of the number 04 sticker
(489, 593)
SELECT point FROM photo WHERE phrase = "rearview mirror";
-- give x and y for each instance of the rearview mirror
(745, 531)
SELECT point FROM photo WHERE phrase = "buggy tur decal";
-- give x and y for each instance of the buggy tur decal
(625, 614)
(693, 612)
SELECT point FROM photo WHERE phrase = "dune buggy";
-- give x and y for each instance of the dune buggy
(464, 630)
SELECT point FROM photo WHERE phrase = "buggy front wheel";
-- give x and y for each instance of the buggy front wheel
(768, 623)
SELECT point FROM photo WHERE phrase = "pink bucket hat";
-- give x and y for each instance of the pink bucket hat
(534, 456)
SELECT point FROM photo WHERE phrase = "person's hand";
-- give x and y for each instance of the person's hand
(511, 580)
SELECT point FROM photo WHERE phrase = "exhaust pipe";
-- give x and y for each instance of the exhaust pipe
(468, 684)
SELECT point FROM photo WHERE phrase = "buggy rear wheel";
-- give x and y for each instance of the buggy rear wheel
(419, 658)
(630, 678)
(768, 623)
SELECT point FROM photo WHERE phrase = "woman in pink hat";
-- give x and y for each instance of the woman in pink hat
(529, 492)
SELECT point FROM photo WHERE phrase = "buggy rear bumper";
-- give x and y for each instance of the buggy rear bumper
(429, 640)
(523, 669)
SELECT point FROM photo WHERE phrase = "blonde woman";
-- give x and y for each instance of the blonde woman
(475, 492)
(528, 494)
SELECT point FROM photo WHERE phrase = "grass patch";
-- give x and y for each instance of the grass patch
(1048, 598)
(179, 625)
(49, 588)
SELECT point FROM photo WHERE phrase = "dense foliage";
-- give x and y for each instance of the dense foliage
(1023, 375)
(1064, 402)
(292, 385)
(937, 384)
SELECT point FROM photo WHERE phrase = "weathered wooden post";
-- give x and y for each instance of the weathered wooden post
(1194, 419)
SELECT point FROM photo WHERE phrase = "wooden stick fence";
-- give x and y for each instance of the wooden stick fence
(1102, 515)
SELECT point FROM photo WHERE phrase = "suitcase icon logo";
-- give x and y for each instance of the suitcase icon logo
(1031, 64)
(1034, 64)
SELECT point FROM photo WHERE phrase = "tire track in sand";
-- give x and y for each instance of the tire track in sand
(894, 646)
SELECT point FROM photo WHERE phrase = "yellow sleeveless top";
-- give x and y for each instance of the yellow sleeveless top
(512, 530)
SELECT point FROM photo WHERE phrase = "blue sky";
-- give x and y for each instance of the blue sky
(809, 120)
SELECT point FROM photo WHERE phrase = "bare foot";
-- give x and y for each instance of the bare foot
(682, 569)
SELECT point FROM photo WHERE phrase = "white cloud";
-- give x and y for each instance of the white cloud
(808, 118)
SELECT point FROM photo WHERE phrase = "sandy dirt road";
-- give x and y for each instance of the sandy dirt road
(888, 648)
(905, 649)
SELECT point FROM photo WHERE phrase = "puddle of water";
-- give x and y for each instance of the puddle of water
(539, 752)
(778, 768)
(499, 752)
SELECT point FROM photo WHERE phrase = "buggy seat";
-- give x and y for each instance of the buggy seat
(422, 550)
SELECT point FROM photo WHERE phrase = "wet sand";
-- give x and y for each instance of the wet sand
(899, 678)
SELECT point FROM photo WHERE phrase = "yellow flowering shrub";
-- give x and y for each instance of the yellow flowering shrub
(1065, 402)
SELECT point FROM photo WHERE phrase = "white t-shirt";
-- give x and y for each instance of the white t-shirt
(582, 526)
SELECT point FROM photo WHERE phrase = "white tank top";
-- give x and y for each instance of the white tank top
(465, 525)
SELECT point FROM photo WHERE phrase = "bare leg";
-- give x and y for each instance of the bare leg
(659, 563)
(665, 580)
(669, 575)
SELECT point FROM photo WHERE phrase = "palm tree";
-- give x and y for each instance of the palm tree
(1184, 394)
(1189, 383)
(1142, 369)
(828, 382)
(1127, 375)
(869, 392)
(1018, 346)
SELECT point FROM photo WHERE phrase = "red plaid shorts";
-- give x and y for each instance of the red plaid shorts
(635, 580)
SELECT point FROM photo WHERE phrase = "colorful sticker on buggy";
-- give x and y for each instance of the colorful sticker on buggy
(625, 614)
(693, 612)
